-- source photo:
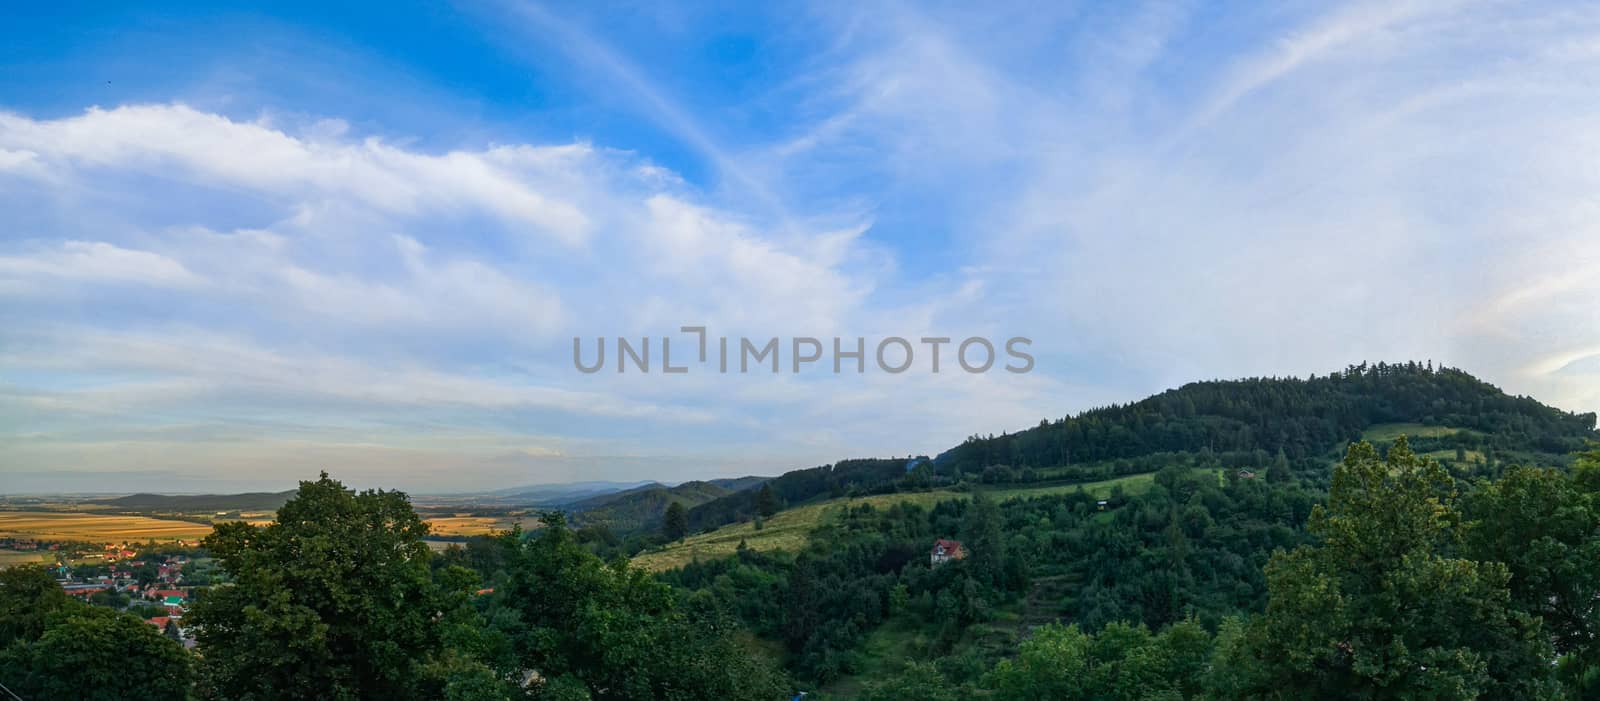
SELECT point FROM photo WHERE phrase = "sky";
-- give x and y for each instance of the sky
(245, 244)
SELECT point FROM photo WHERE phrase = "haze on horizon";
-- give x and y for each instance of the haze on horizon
(242, 246)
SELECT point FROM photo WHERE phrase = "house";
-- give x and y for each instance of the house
(160, 622)
(1101, 505)
(1246, 474)
(945, 551)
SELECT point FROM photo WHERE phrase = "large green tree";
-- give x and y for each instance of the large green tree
(1121, 662)
(1545, 526)
(617, 632)
(28, 595)
(675, 524)
(1379, 609)
(766, 502)
(333, 600)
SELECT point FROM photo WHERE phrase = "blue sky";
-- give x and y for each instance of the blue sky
(246, 244)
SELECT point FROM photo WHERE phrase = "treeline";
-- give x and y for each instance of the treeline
(1300, 417)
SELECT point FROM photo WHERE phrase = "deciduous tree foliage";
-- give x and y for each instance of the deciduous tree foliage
(333, 600)
(1380, 608)
(56, 648)
(618, 633)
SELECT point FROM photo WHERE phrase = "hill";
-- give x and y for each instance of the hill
(557, 495)
(251, 501)
(1303, 418)
(1292, 424)
(642, 507)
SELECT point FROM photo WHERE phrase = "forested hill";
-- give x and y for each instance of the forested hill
(1302, 417)
(1234, 423)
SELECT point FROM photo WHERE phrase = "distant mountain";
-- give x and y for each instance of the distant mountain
(560, 495)
(198, 503)
(643, 507)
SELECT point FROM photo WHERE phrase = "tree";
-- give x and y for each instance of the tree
(918, 680)
(1121, 662)
(985, 544)
(333, 600)
(96, 654)
(1279, 472)
(1379, 610)
(766, 502)
(28, 595)
(1545, 527)
(675, 525)
(619, 631)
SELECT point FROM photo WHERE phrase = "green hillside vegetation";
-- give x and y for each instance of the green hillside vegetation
(642, 507)
(789, 530)
(1251, 547)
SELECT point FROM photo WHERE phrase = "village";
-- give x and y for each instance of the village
(155, 582)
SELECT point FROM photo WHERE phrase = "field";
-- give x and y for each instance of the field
(13, 557)
(105, 528)
(1131, 484)
(1386, 433)
(467, 525)
(787, 530)
(96, 527)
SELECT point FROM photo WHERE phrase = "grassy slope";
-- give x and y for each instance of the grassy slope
(789, 529)
(1387, 433)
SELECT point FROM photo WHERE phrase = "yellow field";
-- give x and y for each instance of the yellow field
(478, 525)
(96, 527)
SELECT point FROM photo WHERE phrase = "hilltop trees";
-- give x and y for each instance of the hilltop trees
(1381, 608)
(332, 600)
(1302, 417)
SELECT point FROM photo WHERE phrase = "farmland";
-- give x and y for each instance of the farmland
(469, 525)
(44, 525)
(107, 528)
(11, 557)
(787, 530)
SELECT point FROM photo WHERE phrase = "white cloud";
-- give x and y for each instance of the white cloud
(180, 141)
(96, 261)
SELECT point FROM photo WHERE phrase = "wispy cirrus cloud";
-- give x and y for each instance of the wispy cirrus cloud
(1154, 192)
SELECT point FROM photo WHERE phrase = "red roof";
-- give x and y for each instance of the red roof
(481, 592)
(159, 621)
(952, 548)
